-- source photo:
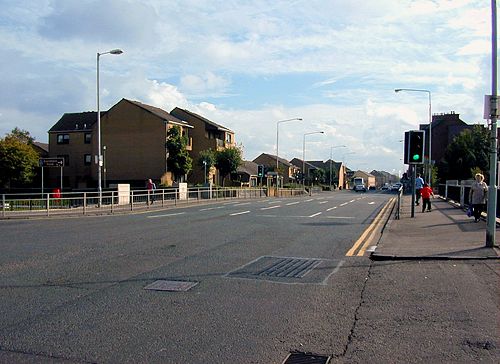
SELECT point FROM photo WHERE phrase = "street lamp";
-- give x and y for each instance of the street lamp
(277, 141)
(331, 156)
(304, 155)
(429, 170)
(99, 152)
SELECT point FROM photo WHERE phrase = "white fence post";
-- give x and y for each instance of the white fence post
(84, 203)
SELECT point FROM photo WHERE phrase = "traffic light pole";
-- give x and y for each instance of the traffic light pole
(413, 177)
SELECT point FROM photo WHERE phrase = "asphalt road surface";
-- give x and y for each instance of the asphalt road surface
(270, 276)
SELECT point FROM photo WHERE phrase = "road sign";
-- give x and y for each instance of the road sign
(51, 162)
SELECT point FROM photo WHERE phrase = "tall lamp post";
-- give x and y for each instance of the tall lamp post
(492, 191)
(304, 155)
(277, 142)
(99, 152)
(331, 156)
(429, 167)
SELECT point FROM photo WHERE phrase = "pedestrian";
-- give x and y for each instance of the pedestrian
(426, 193)
(151, 187)
(419, 183)
(478, 196)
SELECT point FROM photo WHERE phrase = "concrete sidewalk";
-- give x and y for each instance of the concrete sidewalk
(444, 233)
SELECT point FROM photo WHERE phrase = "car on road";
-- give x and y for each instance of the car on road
(396, 186)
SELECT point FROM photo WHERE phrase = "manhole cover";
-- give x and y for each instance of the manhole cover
(287, 269)
(175, 286)
(306, 358)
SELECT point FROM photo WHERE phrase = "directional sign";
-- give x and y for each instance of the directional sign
(51, 162)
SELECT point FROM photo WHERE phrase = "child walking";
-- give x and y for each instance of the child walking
(426, 193)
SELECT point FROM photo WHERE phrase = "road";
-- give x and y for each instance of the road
(73, 289)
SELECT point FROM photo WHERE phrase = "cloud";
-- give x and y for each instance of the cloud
(207, 83)
(101, 21)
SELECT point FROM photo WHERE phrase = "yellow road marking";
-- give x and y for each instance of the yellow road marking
(366, 238)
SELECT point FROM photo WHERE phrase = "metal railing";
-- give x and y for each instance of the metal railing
(110, 202)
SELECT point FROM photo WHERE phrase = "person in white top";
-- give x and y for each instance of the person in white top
(419, 184)
(477, 196)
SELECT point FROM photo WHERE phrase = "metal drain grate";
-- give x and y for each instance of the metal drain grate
(174, 286)
(289, 267)
(306, 358)
(287, 270)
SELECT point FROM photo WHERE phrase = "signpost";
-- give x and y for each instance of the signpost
(52, 162)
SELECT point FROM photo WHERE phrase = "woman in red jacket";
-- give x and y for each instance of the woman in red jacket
(426, 193)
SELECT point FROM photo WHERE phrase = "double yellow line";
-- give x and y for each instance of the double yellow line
(364, 241)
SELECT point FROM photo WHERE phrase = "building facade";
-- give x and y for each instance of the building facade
(133, 140)
(207, 135)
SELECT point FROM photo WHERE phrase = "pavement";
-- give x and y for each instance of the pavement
(446, 232)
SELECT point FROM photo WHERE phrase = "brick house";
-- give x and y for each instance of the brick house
(206, 135)
(286, 169)
(133, 137)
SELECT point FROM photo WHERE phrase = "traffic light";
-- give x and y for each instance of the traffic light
(414, 147)
(260, 171)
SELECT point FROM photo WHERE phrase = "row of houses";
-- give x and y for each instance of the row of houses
(133, 140)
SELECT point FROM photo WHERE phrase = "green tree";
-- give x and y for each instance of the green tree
(207, 160)
(18, 159)
(227, 161)
(179, 162)
(468, 152)
(318, 175)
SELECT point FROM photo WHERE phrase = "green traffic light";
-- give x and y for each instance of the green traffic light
(416, 157)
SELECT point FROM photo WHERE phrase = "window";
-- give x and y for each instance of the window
(66, 159)
(87, 159)
(87, 138)
(228, 138)
(62, 138)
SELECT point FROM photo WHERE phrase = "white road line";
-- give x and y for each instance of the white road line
(340, 217)
(316, 214)
(166, 215)
(371, 203)
(243, 204)
(312, 199)
(231, 203)
(270, 207)
(293, 203)
(240, 213)
(212, 208)
(343, 204)
(322, 202)
(352, 200)
(272, 202)
(331, 208)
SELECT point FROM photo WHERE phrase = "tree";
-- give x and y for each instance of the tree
(318, 175)
(227, 161)
(468, 152)
(207, 160)
(179, 162)
(18, 159)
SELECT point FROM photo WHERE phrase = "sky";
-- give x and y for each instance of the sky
(247, 64)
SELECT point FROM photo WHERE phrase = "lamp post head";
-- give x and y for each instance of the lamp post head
(398, 90)
(116, 51)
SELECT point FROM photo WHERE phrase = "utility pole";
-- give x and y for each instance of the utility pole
(492, 190)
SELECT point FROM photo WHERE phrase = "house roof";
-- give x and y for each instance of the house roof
(162, 114)
(42, 146)
(210, 124)
(249, 167)
(273, 157)
(80, 121)
(298, 162)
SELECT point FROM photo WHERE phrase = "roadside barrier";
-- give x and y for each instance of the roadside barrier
(111, 202)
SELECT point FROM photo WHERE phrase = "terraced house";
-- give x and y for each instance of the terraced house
(133, 138)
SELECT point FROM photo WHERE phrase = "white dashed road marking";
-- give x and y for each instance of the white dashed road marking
(239, 213)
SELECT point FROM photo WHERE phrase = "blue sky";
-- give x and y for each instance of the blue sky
(248, 64)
